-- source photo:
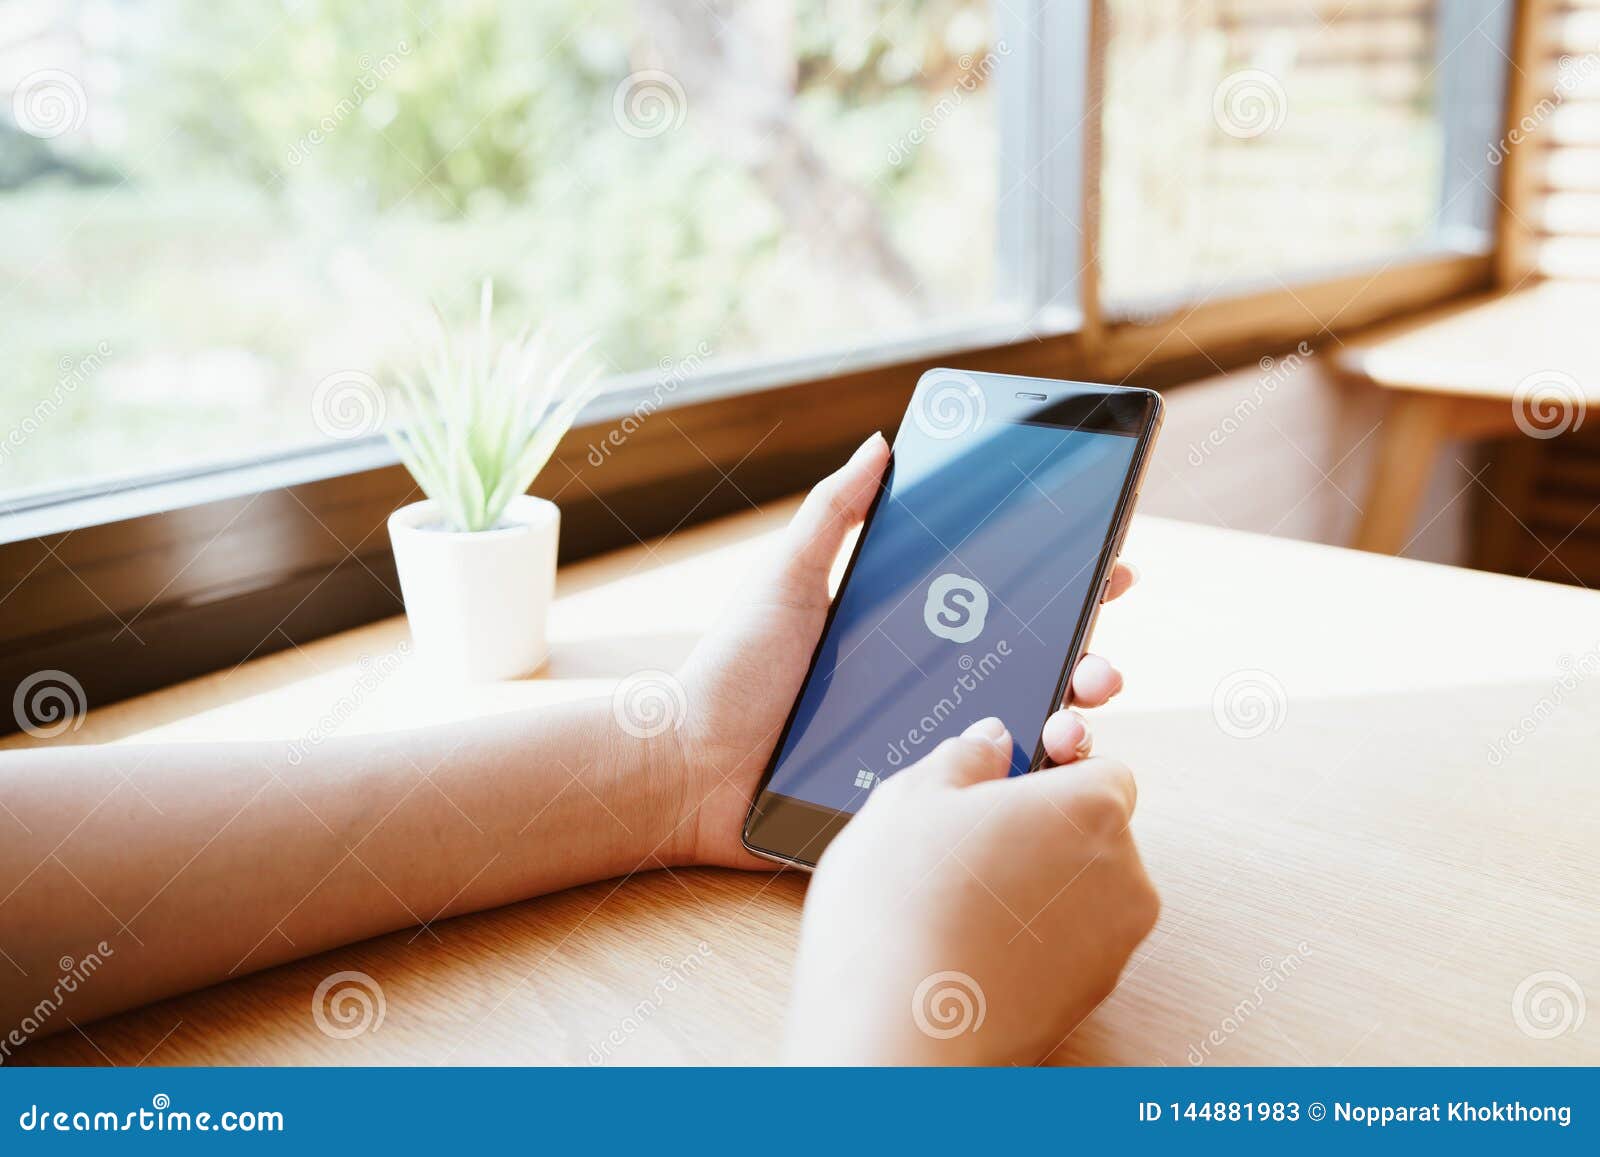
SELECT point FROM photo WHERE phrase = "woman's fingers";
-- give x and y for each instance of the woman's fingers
(1123, 576)
(1094, 682)
(1066, 733)
(982, 752)
(835, 506)
(1067, 737)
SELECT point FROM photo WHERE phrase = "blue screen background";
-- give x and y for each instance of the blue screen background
(1022, 509)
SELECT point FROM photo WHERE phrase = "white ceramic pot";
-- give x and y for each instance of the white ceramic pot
(477, 602)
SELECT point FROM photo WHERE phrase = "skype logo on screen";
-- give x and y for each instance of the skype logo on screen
(956, 608)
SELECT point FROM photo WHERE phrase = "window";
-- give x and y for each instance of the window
(221, 228)
(222, 221)
(1247, 140)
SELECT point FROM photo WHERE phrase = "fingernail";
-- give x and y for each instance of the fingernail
(870, 444)
(990, 729)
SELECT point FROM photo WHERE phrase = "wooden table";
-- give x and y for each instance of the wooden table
(1362, 882)
(1456, 374)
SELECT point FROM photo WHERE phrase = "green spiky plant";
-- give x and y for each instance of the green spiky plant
(479, 428)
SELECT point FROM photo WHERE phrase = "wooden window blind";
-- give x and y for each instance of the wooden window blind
(1551, 223)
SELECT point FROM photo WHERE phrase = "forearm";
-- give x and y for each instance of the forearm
(192, 863)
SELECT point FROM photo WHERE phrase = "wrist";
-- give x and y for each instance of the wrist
(701, 779)
(674, 828)
(638, 778)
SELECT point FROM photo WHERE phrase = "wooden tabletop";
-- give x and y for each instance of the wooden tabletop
(1368, 795)
(1543, 335)
(1488, 368)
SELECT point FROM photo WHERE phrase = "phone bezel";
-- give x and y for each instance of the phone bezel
(814, 822)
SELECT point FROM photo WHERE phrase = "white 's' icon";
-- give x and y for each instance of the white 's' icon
(956, 608)
(866, 780)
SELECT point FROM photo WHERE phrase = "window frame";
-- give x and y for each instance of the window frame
(139, 584)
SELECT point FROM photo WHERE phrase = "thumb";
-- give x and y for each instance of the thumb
(982, 752)
(835, 506)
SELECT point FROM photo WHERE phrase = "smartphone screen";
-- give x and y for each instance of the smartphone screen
(972, 584)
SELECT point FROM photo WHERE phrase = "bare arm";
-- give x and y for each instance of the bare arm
(181, 865)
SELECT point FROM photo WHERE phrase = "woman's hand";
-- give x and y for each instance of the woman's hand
(967, 918)
(743, 678)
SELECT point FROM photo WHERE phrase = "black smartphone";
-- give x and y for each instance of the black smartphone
(972, 590)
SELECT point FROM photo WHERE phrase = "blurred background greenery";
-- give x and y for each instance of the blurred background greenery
(230, 204)
(261, 195)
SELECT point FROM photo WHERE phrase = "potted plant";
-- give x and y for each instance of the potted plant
(477, 558)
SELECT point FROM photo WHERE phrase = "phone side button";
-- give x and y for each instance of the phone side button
(1105, 588)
